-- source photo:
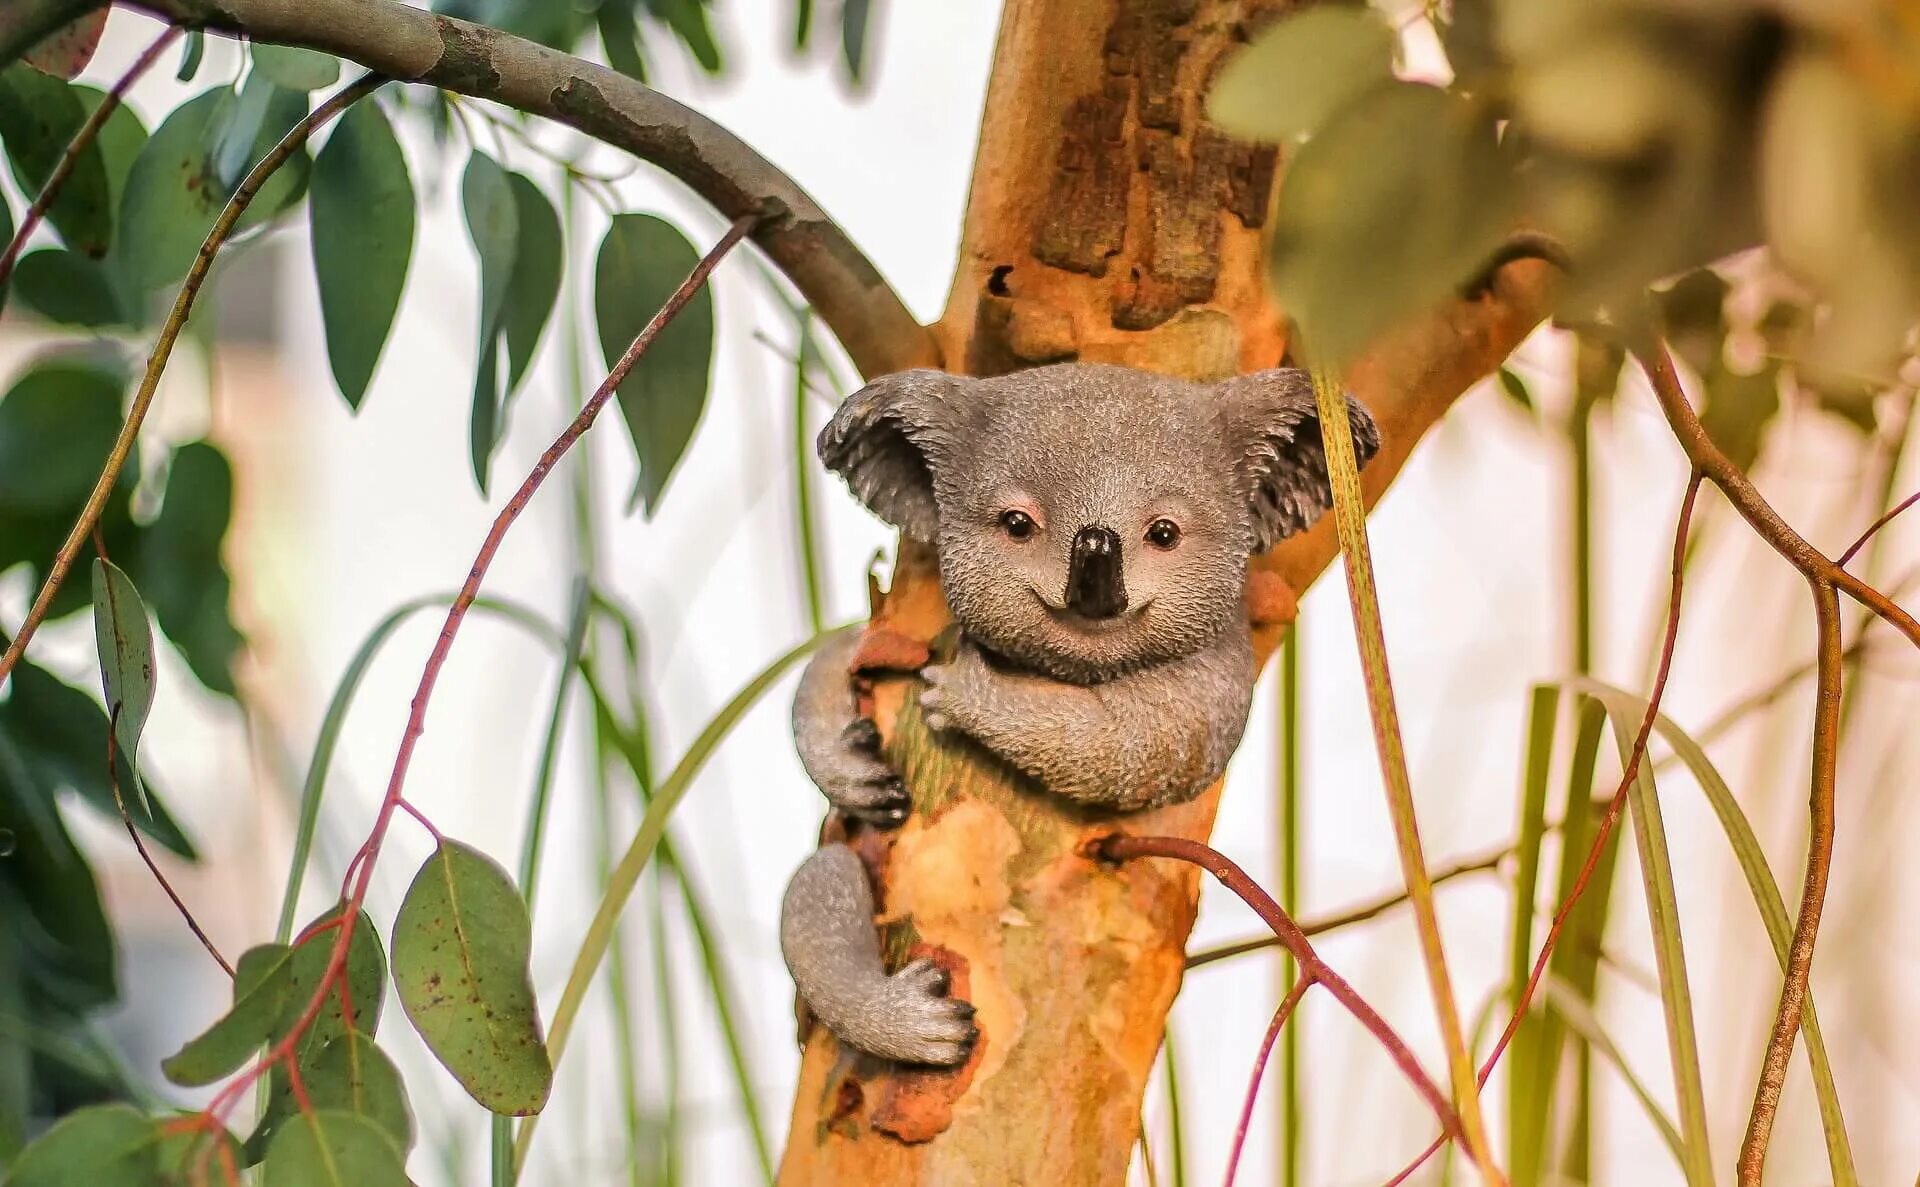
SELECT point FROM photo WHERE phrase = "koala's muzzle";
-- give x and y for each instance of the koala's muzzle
(1096, 582)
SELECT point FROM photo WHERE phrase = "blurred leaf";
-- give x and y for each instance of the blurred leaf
(237, 128)
(538, 256)
(39, 116)
(461, 944)
(104, 1146)
(620, 39)
(55, 920)
(1557, 94)
(1854, 404)
(60, 734)
(178, 1152)
(57, 424)
(262, 984)
(124, 636)
(1386, 211)
(66, 51)
(1738, 410)
(294, 68)
(1300, 71)
(1515, 388)
(64, 286)
(192, 53)
(802, 23)
(1581, 1018)
(1472, 42)
(333, 1148)
(363, 214)
(180, 565)
(1693, 318)
(642, 260)
(353, 1074)
(688, 20)
(487, 197)
(856, 20)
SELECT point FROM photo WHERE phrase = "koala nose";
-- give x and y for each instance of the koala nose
(1096, 582)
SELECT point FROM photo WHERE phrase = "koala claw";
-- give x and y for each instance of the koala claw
(858, 782)
(927, 1026)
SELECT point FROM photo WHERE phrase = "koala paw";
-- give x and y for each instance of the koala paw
(859, 782)
(953, 690)
(922, 1024)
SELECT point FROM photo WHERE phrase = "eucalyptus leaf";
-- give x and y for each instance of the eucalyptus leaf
(69, 288)
(461, 944)
(363, 213)
(180, 566)
(295, 68)
(262, 984)
(56, 424)
(124, 635)
(539, 254)
(102, 1146)
(1300, 71)
(350, 1073)
(334, 1148)
(620, 40)
(642, 260)
(856, 21)
(492, 213)
(39, 116)
(192, 52)
(66, 51)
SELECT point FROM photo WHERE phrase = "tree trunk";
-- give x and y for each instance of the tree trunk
(1107, 222)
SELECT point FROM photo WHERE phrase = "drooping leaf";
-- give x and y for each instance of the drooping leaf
(56, 425)
(461, 944)
(66, 51)
(539, 254)
(856, 20)
(1514, 388)
(192, 52)
(1693, 318)
(1301, 70)
(124, 635)
(688, 20)
(67, 287)
(1392, 205)
(238, 127)
(802, 23)
(180, 566)
(182, 1157)
(487, 197)
(120, 140)
(352, 1074)
(55, 922)
(334, 1148)
(39, 115)
(1738, 409)
(620, 40)
(294, 68)
(363, 215)
(102, 1146)
(262, 983)
(641, 262)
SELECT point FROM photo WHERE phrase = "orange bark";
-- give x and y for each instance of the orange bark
(1107, 222)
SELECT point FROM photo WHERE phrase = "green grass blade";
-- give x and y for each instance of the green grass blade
(550, 745)
(1292, 1111)
(1526, 1120)
(805, 530)
(1176, 1128)
(626, 873)
(1476, 1042)
(1580, 1018)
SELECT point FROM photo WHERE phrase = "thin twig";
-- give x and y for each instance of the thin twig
(1120, 847)
(416, 726)
(163, 350)
(88, 133)
(126, 818)
(1474, 865)
(1280, 1016)
(1854, 548)
(1615, 804)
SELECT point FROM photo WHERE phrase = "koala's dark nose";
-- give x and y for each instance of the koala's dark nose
(1096, 581)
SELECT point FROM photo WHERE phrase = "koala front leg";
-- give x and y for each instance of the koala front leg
(833, 951)
(839, 748)
(1153, 737)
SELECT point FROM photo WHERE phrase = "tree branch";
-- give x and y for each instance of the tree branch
(413, 45)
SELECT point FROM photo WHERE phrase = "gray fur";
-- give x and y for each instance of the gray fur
(1134, 710)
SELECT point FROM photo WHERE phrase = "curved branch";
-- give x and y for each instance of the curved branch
(413, 45)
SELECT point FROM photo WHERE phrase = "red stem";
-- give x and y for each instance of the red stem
(1854, 548)
(1280, 1016)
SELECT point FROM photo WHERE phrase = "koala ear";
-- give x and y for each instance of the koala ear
(890, 438)
(1273, 428)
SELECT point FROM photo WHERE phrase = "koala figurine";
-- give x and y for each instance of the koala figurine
(1093, 525)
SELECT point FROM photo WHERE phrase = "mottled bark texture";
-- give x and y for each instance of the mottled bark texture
(1108, 222)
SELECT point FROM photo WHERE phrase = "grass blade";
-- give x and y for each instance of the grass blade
(1292, 1111)
(1580, 1018)
(1526, 1112)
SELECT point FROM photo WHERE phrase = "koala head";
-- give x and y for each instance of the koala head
(1090, 519)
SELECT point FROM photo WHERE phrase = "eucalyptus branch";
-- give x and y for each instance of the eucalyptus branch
(1120, 847)
(415, 45)
(88, 133)
(163, 350)
(1280, 1016)
(1866, 536)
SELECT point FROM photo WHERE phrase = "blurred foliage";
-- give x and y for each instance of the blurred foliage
(1648, 137)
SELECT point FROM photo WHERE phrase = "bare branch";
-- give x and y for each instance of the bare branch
(414, 45)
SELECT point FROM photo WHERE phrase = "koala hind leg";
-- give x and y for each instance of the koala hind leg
(833, 951)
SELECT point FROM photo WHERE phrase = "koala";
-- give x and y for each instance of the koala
(1093, 526)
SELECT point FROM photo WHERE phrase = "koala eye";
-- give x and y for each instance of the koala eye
(1016, 523)
(1163, 533)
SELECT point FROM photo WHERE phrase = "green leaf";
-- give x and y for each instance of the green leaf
(642, 260)
(1300, 71)
(461, 943)
(620, 39)
(1392, 205)
(38, 118)
(1693, 318)
(332, 1148)
(66, 51)
(539, 254)
(294, 68)
(1738, 409)
(492, 212)
(180, 1153)
(55, 920)
(57, 424)
(688, 20)
(802, 23)
(124, 636)
(262, 984)
(70, 288)
(1581, 1019)
(1515, 388)
(353, 1074)
(102, 1146)
(363, 215)
(856, 19)
(192, 53)
(180, 565)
